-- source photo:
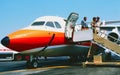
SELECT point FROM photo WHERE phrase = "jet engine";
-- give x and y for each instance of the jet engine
(114, 36)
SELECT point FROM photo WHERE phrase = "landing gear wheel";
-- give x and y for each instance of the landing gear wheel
(33, 64)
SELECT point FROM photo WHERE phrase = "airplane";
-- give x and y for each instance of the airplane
(48, 36)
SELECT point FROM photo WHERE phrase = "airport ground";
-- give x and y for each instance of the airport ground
(56, 66)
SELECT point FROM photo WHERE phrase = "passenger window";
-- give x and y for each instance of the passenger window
(50, 24)
(57, 25)
(38, 23)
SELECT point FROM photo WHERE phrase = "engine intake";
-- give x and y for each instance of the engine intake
(113, 37)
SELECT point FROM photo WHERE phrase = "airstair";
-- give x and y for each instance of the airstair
(100, 40)
(106, 43)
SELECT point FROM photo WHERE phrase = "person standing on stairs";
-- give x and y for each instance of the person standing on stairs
(93, 24)
(84, 23)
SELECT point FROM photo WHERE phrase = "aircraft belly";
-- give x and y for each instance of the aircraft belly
(65, 50)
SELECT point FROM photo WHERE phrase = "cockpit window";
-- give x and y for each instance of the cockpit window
(50, 24)
(38, 23)
(57, 25)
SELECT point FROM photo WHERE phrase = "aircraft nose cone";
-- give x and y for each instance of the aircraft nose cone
(5, 41)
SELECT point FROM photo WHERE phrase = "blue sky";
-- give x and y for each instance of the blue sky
(16, 14)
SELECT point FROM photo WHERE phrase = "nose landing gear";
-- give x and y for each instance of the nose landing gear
(33, 62)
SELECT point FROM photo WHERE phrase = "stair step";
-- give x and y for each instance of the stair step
(108, 44)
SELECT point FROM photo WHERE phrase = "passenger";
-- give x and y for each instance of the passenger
(98, 24)
(94, 25)
(84, 23)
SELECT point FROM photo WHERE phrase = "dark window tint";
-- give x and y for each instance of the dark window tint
(50, 24)
(57, 25)
(38, 23)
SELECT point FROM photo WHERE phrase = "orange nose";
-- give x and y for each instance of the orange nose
(22, 40)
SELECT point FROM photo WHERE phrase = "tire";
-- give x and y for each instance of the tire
(34, 64)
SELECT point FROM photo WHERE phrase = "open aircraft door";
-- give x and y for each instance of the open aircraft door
(70, 24)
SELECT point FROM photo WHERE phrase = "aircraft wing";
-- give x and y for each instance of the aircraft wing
(111, 22)
(110, 27)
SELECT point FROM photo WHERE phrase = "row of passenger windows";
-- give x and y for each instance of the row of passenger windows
(49, 24)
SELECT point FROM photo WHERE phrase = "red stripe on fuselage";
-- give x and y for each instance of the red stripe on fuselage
(28, 39)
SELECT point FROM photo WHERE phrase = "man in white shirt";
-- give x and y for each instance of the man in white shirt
(98, 24)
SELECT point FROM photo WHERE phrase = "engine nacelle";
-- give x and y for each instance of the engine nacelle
(113, 37)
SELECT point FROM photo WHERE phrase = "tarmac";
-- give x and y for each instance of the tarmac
(56, 66)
